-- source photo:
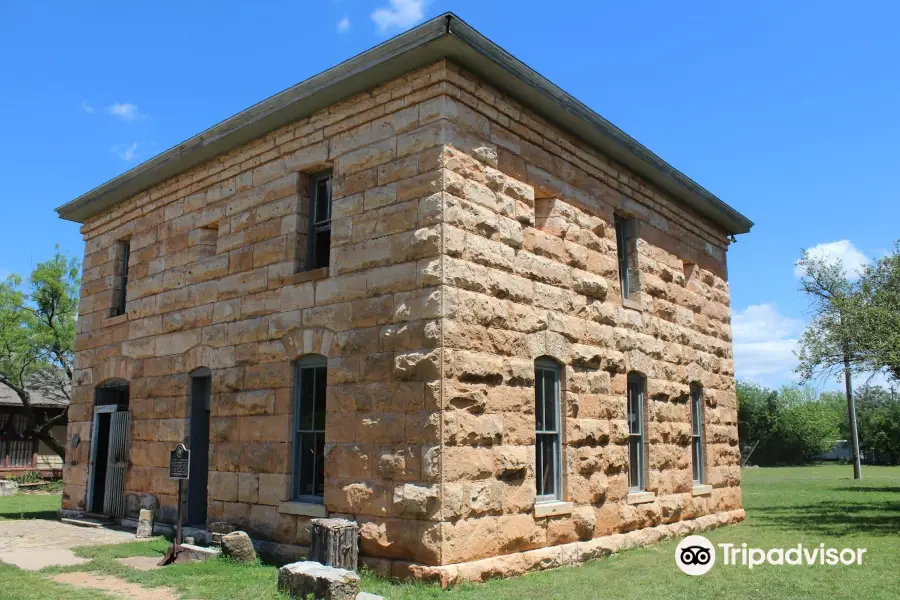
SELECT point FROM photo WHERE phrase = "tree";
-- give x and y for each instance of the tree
(757, 413)
(37, 340)
(805, 426)
(829, 345)
(878, 308)
(879, 422)
(791, 425)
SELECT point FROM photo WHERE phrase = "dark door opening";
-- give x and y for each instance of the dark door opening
(201, 385)
(101, 457)
(109, 452)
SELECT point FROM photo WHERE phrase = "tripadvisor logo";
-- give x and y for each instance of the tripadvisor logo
(696, 555)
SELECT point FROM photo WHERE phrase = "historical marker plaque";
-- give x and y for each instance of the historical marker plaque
(180, 463)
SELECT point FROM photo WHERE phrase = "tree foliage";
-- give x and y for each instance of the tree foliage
(37, 339)
(828, 343)
(877, 308)
(757, 414)
(791, 425)
(804, 427)
(878, 419)
(856, 323)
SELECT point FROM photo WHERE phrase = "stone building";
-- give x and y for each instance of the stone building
(427, 290)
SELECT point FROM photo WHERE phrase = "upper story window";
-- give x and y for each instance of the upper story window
(623, 248)
(636, 385)
(309, 429)
(121, 284)
(697, 458)
(548, 452)
(318, 252)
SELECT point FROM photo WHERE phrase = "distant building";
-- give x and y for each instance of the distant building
(19, 452)
(841, 451)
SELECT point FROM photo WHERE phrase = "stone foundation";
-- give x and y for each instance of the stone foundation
(576, 553)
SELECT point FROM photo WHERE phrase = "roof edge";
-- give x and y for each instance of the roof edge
(445, 36)
(611, 140)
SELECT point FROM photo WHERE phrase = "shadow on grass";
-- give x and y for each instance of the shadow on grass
(883, 490)
(20, 515)
(835, 518)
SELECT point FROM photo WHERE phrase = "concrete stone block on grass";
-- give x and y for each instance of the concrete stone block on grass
(302, 579)
(238, 546)
(8, 487)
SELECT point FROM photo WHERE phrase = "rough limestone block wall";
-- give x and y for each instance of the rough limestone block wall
(530, 266)
(214, 282)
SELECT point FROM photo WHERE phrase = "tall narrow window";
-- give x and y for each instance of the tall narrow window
(635, 432)
(319, 221)
(309, 429)
(623, 251)
(548, 455)
(697, 432)
(122, 284)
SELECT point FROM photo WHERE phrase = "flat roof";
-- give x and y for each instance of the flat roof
(446, 36)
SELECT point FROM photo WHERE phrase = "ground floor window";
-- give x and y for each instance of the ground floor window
(309, 429)
(16, 449)
(548, 454)
(636, 384)
(697, 457)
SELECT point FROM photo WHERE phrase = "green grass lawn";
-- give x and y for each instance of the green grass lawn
(808, 505)
(29, 506)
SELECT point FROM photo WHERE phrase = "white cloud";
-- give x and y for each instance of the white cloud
(126, 112)
(401, 14)
(843, 250)
(126, 152)
(764, 344)
(343, 25)
(87, 107)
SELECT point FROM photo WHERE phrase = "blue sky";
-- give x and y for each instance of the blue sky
(787, 111)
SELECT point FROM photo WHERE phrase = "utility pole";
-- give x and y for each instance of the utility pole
(851, 408)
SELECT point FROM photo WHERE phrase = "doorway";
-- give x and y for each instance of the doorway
(109, 450)
(101, 451)
(201, 388)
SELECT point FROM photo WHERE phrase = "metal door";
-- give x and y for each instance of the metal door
(117, 463)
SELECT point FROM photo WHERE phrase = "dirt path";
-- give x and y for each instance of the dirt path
(116, 586)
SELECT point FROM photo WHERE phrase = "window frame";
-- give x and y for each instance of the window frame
(125, 250)
(623, 254)
(554, 435)
(636, 386)
(309, 363)
(316, 225)
(698, 452)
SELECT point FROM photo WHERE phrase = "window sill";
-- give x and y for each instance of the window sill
(110, 321)
(701, 490)
(552, 508)
(634, 305)
(304, 276)
(640, 497)
(303, 509)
